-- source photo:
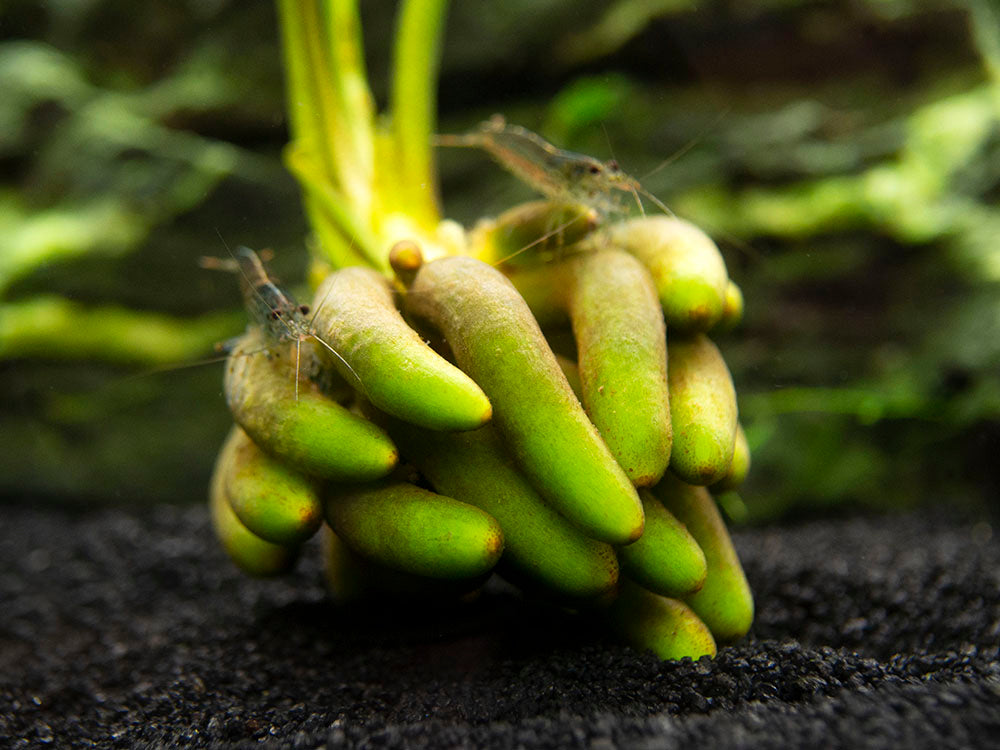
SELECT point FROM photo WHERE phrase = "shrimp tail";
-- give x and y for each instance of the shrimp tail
(219, 264)
(227, 346)
(466, 140)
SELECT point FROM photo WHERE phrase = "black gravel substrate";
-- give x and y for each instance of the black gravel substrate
(132, 630)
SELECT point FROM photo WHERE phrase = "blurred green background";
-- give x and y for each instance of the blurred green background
(845, 155)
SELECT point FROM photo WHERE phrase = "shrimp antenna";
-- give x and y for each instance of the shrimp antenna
(239, 268)
(607, 139)
(742, 245)
(540, 240)
(312, 333)
(326, 296)
(630, 182)
(634, 189)
(336, 354)
(319, 307)
(657, 202)
(189, 365)
(689, 145)
(298, 350)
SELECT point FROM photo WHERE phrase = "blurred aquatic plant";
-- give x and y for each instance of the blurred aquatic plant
(920, 405)
(98, 167)
(106, 174)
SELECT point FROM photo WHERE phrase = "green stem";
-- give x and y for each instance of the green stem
(354, 99)
(324, 196)
(329, 243)
(414, 103)
(303, 125)
(363, 186)
(309, 96)
(332, 125)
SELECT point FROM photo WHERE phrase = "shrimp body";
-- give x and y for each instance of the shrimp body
(271, 309)
(556, 173)
(268, 305)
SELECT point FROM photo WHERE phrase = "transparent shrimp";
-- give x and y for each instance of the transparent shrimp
(271, 308)
(566, 176)
(556, 173)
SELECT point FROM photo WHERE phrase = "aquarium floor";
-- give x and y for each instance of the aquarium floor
(131, 629)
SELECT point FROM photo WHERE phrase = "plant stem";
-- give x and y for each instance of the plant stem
(332, 126)
(309, 95)
(414, 104)
(354, 243)
(350, 81)
(364, 186)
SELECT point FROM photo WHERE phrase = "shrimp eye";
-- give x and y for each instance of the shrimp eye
(304, 309)
(275, 315)
(594, 169)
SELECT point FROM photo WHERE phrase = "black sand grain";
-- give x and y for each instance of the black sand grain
(122, 629)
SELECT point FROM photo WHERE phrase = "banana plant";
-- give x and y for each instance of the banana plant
(417, 409)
